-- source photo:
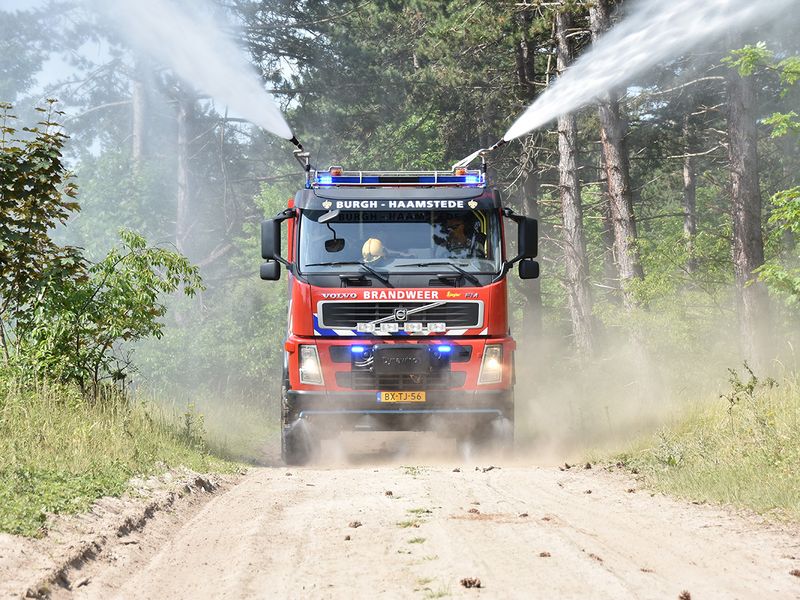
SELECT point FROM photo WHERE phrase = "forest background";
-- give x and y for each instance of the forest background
(668, 210)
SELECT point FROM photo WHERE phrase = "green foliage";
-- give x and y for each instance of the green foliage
(75, 331)
(748, 59)
(64, 317)
(194, 432)
(783, 123)
(790, 71)
(781, 271)
(782, 274)
(786, 210)
(114, 194)
(36, 195)
(745, 391)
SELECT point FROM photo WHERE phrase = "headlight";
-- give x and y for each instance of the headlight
(492, 365)
(310, 371)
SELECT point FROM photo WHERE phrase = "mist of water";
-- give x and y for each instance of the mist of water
(189, 39)
(654, 31)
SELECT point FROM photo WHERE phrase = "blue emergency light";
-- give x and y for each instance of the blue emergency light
(337, 177)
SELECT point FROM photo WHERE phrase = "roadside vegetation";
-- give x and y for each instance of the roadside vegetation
(742, 449)
(71, 431)
(60, 451)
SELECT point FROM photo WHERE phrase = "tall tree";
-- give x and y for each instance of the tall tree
(575, 261)
(748, 242)
(139, 98)
(184, 213)
(689, 190)
(525, 55)
(613, 127)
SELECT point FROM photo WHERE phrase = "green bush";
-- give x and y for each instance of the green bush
(61, 316)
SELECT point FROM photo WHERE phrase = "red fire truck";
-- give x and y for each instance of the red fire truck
(398, 315)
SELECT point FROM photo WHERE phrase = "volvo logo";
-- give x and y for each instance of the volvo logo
(401, 314)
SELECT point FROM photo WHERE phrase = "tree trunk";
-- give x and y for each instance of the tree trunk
(524, 54)
(689, 192)
(139, 114)
(575, 261)
(616, 160)
(610, 272)
(748, 243)
(4, 343)
(183, 208)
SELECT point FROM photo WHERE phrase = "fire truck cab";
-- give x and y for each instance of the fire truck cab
(398, 314)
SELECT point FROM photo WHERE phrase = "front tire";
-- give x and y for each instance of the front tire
(297, 446)
(298, 443)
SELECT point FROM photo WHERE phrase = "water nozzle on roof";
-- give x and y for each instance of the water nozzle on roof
(482, 153)
(498, 144)
(296, 142)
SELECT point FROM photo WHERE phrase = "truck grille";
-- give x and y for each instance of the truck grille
(366, 380)
(347, 315)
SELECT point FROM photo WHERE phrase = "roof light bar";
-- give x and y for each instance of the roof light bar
(337, 177)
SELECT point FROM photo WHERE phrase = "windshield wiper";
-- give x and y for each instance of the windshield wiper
(366, 267)
(465, 274)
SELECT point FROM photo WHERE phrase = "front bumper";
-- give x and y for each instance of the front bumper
(445, 410)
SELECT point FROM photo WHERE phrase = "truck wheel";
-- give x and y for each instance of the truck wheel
(298, 447)
(298, 444)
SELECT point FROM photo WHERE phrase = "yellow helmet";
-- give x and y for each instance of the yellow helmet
(372, 250)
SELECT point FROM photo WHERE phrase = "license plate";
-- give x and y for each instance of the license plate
(401, 396)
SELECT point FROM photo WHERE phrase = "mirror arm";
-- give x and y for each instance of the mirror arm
(285, 214)
(284, 262)
(510, 214)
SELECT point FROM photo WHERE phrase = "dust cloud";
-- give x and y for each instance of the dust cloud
(567, 409)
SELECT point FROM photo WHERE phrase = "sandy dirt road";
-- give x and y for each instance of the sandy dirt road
(525, 532)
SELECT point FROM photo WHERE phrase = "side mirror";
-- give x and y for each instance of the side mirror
(528, 238)
(334, 245)
(528, 269)
(270, 271)
(270, 239)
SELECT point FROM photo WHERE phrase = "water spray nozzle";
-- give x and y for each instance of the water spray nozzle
(296, 142)
(498, 144)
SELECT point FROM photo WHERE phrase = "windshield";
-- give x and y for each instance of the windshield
(468, 240)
